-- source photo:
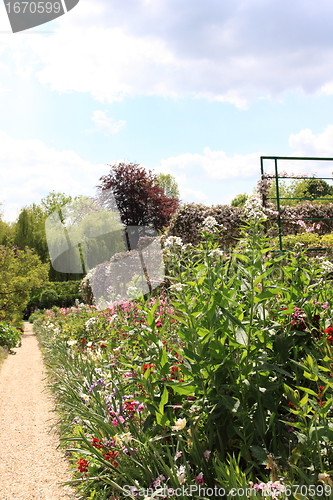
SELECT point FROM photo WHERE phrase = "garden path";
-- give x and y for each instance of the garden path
(31, 467)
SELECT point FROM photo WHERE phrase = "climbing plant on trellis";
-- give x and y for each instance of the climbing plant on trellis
(276, 176)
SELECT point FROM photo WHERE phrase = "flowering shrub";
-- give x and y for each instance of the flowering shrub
(187, 221)
(10, 336)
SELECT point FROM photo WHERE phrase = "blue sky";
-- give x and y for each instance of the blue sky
(199, 89)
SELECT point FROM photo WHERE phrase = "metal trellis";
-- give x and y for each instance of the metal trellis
(276, 177)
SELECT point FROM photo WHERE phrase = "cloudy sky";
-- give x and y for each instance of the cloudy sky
(196, 88)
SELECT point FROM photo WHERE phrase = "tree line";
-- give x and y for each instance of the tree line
(135, 196)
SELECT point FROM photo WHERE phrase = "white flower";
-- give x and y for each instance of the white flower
(327, 266)
(253, 208)
(215, 254)
(179, 424)
(133, 292)
(210, 224)
(173, 241)
(177, 287)
(90, 323)
(181, 474)
(127, 437)
(71, 342)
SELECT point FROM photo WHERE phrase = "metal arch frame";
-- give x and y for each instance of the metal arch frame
(277, 177)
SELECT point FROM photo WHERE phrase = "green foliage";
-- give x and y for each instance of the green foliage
(169, 185)
(54, 201)
(313, 188)
(306, 240)
(20, 272)
(30, 230)
(186, 222)
(239, 200)
(48, 298)
(10, 337)
(232, 371)
(64, 294)
(298, 190)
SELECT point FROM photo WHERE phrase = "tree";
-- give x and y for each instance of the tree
(313, 188)
(169, 185)
(239, 200)
(138, 197)
(54, 201)
(6, 231)
(21, 271)
(30, 230)
(299, 190)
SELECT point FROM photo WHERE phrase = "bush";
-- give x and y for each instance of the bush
(10, 336)
(186, 221)
(48, 298)
(63, 294)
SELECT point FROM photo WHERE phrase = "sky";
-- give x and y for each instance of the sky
(199, 89)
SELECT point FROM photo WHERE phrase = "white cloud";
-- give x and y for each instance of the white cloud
(29, 170)
(306, 143)
(106, 125)
(216, 164)
(231, 51)
(192, 194)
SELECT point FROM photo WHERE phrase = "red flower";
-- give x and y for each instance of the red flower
(110, 457)
(82, 465)
(97, 443)
(146, 366)
(158, 324)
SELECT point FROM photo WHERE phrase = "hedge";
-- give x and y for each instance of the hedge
(58, 293)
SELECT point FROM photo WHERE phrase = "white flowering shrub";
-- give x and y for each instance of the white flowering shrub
(253, 209)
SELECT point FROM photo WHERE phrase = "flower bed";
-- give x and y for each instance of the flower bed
(223, 382)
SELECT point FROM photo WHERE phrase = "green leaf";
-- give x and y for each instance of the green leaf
(164, 358)
(232, 318)
(310, 376)
(183, 389)
(304, 400)
(307, 390)
(164, 400)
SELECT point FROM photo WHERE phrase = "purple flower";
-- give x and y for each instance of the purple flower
(200, 479)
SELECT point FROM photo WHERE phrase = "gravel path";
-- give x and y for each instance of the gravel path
(31, 467)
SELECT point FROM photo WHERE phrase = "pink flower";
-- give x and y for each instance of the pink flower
(200, 479)
(117, 420)
(207, 455)
(325, 306)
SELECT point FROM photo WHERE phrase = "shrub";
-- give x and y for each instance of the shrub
(67, 292)
(48, 298)
(187, 220)
(10, 336)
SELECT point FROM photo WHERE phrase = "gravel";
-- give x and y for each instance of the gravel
(31, 467)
